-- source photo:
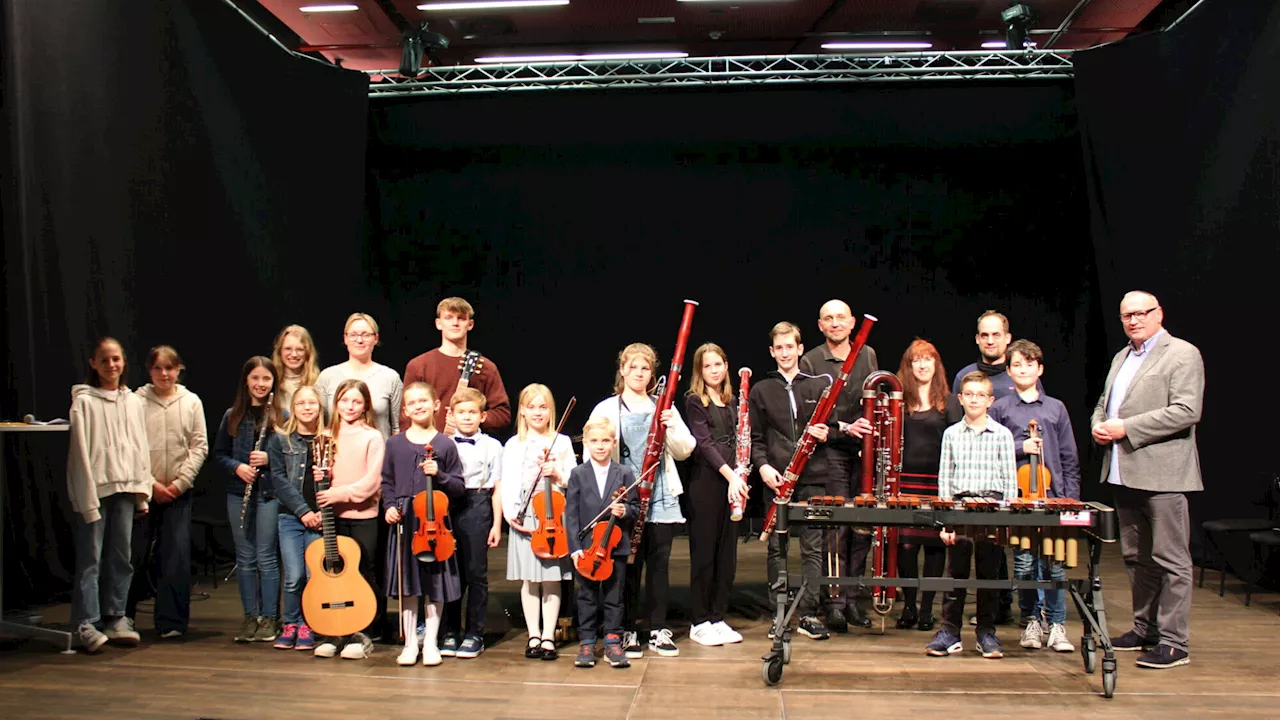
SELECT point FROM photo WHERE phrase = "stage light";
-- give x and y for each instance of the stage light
(490, 4)
(535, 59)
(328, 8)
(414, 44)
(1018, 18)
(995, 44)
(883, 45)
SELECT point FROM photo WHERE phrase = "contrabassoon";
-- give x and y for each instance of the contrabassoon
(807, 442)
(655, 444)
(881, 472)
(742, 457)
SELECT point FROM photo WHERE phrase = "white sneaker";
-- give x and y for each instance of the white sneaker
(704, 633)
(431, 655)
(354, 650)
(121, 632)
(727, 634)
(325, 650)
(409, 655)
(1058, 639)
(91, 639)
(1031, 635)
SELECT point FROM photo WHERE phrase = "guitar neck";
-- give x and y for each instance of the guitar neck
(328, 527)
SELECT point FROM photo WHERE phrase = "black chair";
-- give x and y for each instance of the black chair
(1214, 530)
(1264, 543)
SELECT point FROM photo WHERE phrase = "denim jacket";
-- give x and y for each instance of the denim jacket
(229, 452)
(290, 465)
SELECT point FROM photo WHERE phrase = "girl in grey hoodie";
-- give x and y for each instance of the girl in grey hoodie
(108, 481)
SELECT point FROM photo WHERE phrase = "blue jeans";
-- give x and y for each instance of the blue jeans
(169, 526)
(257, 571)
(103, 570)
(294, 539)
(1033, 603)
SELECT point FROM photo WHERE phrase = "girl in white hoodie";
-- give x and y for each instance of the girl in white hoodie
(108, 481)
(179, 444)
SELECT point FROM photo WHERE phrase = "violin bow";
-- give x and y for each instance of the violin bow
(587, 528)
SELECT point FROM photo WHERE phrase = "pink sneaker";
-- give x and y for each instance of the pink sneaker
(287, 638)
(306, 639)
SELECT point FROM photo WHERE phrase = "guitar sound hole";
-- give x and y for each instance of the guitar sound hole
(334, 567)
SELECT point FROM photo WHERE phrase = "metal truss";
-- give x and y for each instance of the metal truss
(742, 70)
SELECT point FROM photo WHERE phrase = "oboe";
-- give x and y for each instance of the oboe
(262, 439)
(742, 458)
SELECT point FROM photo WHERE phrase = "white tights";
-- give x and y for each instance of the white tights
(544, 596)
(409, 618)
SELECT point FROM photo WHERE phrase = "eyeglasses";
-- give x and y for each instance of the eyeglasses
(360, 336)
(972, 395)
(1138, 315)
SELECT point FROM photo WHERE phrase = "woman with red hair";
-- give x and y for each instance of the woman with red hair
(930, 408)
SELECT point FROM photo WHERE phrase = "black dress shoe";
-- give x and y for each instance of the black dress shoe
(858, 618)
(534, 651)
(836, 621)
(908, 618)
(926, 622)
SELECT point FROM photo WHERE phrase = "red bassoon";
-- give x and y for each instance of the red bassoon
(655, 445)
(807, 443)
(881, 469)
(742, 456)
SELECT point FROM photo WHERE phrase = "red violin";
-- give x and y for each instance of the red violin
(549, 539)
(596, 561)
(432, 539)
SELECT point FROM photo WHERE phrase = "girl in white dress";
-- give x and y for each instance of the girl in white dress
(523, 466)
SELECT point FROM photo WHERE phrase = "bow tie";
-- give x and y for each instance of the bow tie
(469, 441)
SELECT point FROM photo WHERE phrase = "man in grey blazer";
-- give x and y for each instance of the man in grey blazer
(1146, 418)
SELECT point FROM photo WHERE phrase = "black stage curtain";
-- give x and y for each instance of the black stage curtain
(1181, 135)
(171, 176)
(576, 222)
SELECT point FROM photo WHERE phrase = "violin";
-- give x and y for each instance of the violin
(596, 561)
(1033, 478)
(432, 539)
(549, 539)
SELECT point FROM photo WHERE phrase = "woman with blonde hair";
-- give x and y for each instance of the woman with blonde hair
(295, 357)
(360, 333)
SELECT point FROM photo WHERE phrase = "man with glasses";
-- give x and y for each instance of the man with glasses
(1146, 419)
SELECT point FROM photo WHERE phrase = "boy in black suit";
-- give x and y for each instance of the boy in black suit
(592, 486)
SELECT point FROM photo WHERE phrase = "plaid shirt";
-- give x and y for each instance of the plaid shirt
(977, 461)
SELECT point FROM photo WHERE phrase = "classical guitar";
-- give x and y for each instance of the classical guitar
(432, 539)
(337, 600)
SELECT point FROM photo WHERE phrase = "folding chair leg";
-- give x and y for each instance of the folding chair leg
(1222, 580)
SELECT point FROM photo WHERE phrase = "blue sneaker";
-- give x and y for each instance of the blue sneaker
(944, 643)
(989, 646)
(471, 647)
(449, 646)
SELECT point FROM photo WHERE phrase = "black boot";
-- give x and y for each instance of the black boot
(858, 616)
(926, 620)
(908, 618)
(836, 621)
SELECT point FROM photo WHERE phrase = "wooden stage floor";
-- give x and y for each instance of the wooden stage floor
(1233, 673)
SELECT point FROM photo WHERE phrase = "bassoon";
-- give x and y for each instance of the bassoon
(656, 443)
(807, 442)
(742, 458)
(881, 471)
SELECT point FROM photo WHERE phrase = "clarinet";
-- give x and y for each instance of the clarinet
(656, 442)
(742, 459)
(262, 439)
(807, 443)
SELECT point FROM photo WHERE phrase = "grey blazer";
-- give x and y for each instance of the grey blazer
(1160, 413)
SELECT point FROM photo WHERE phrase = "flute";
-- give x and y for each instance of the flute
(262, 439)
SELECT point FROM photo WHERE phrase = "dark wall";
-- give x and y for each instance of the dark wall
(171, 176)
(1181, 132)
(577, 222)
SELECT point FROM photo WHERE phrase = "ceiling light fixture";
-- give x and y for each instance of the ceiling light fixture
(490, 4)
(534, 59)
(995, 44)
(1018, 19)
(328, 8)
(877, 45)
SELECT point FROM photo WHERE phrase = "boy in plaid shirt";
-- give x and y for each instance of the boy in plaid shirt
(977, 460)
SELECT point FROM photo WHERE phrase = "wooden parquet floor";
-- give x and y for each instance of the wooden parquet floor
(204, 675)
